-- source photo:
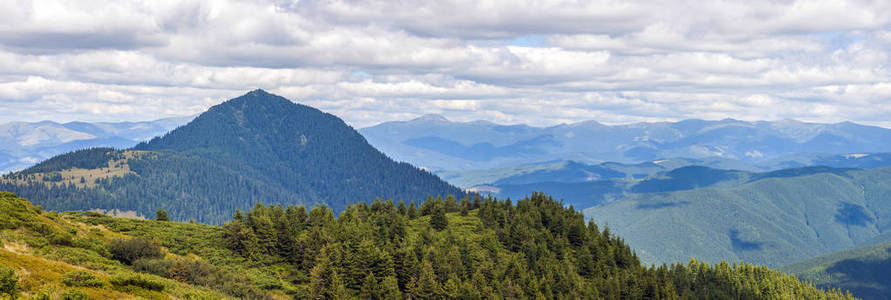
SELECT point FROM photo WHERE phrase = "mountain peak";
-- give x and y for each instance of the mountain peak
(432, 118)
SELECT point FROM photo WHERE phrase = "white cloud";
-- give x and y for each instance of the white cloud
(368, 61)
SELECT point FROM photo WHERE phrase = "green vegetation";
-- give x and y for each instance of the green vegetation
(865, 271)
(8, 281)
(161, 215)
(129, 250)
(774, 218)
(33, 266)
(81, 278)
(257, 147)
(535, 248)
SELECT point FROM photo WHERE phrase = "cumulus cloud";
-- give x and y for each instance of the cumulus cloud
(369, 61)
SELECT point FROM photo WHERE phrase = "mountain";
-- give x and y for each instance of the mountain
(484, 250)
(24, 144)
(436, 143)
(773, 218)
(865, 271)
(255, 148)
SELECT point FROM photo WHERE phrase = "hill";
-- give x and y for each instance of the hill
(25, 144)
(865, 271)
(773, 218)
(50, 255)
(480, 248)
(255, 148)
(436, 143)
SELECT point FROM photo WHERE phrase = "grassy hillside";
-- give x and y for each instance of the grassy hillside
(865, 271)
(773, 219)
(476, 249)
(59, 255)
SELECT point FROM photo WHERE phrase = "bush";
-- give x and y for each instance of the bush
(161, 215)
(75, 295)
(160, 267)
(192, 271)
(41, 295)
(81, 279)
(129, 250)
(59, 238)
(137, 280)
(8, 281)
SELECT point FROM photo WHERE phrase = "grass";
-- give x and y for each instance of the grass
(79, 263)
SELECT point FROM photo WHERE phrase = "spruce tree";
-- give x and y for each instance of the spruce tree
(438, 219)
(161, 215)
(412, 211)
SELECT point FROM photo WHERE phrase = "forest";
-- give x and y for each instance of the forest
(480, 248)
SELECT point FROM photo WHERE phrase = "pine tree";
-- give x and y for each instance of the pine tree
(161, 215)
(389, 289)
(451, 204)
(425, 286)
(412, 211)
(401, 208)
(438, 219)
(370, 289)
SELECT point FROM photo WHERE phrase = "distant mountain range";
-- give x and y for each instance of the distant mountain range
(25, 144)
(255, 148)
(436, 143)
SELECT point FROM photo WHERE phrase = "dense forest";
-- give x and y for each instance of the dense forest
(479, 249)
(257, 147)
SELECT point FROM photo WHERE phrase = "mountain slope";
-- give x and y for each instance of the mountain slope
(255, 148)
(24, 144)
(865, 271)
(773, 218)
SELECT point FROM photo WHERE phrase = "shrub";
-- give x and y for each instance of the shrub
(59, 238)
(161, 215)
(160, 267)
(8, 281)
(192, 271)
(75, 295)
(81, 279)
(129, 250)
(137, 280)
(41, 295)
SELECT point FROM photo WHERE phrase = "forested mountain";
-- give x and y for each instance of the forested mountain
(444, 249)
(25, 144)
(865, 271)
(773, 218)
(439, 144)
(255, 148)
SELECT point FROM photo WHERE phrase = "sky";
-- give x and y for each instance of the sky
(514, 61)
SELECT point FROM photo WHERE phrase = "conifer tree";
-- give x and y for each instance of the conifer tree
(412, 211)
(438, 218)
(161, 215)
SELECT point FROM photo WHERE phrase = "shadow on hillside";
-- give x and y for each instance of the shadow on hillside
(740, 245)
(658, 205)
(865, 279)
(853, 214)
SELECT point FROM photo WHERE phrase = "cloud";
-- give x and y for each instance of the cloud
(369, 61)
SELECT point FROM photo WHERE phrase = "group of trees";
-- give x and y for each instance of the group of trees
(479, 248)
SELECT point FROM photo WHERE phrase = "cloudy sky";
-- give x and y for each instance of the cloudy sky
(516, 61)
